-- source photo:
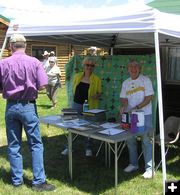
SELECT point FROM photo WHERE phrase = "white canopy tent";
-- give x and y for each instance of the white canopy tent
(126, 26)
(105, 27)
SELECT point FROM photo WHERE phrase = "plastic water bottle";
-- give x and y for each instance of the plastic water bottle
(85, 106)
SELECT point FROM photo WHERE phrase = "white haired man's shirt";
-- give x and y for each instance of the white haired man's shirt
(136, 90)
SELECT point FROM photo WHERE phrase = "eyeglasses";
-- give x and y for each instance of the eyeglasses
(90, 65)
(51, 62)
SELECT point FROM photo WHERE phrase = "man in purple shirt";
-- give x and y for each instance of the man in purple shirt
(21, 76)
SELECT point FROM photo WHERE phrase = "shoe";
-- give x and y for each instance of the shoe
(65, 152)
(43, 187)
(148, 174)
(88, 152)
(54, 105)
(130, 168)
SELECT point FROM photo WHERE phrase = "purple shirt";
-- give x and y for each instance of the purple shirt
(21, 76)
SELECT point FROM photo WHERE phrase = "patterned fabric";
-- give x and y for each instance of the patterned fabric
(112, 71)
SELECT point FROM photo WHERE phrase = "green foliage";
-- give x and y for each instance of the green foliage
(90, 175)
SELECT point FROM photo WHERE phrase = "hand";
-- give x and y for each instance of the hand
(123, 109)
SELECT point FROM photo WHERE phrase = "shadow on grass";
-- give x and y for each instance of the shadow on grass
(172, 160)
(44, 106)
(89, 173)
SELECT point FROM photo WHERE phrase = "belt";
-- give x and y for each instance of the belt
(21, 101)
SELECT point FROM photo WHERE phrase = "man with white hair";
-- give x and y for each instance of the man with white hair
(21, 76)
(137, 94)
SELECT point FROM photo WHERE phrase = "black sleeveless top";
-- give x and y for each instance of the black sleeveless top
(81, 93)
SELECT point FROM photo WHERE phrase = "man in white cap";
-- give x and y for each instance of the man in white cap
(46, 59)
(21, 76)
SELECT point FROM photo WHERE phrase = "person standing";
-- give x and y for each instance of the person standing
(46, 59)
(137, 93)
(54, 73)
(21, 76)
(86, 86)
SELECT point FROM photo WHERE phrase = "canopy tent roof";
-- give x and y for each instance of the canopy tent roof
(4, 20)
(103, 28)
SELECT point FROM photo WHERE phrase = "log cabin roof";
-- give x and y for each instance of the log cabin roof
(4, 20)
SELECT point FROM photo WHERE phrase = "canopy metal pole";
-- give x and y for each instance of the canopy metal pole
(3, 47)
(160, 104)
(111, 51)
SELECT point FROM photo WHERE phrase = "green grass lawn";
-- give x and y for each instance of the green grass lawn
(90, 175)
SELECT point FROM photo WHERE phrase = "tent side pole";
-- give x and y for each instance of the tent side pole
(111, 51)
(3, 47)
(160, 104)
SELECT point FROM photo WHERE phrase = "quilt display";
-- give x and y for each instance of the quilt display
(113, 71)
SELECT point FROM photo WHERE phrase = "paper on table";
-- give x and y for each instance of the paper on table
(65, 124)
(81, 128)
(111, 131)
(79, 122)
(95, 111)
(52, 118)
(109, 125)
(73, 123)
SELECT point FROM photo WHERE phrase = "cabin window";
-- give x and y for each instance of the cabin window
(173, 74)
(37, 51)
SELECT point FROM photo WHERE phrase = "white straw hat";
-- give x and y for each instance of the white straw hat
(45, 53)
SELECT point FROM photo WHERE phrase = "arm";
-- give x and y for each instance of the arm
(42, 79)
(148, 94)
(146, 101)
(123, 98)
(124, 103)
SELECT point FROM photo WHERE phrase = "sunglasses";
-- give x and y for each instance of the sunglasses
(51, 62)
(90, 65)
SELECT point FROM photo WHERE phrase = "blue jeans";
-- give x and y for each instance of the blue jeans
(18, 116)
(146, 146)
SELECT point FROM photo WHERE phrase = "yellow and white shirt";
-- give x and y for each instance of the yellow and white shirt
(136, 90)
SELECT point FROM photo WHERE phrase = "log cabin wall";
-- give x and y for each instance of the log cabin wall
(3, 29)
(63, 52)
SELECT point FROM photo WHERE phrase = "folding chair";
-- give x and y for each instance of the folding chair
(171, 134)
